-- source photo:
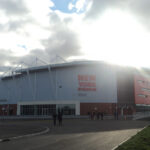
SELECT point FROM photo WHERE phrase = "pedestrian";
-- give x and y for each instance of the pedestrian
(54, 118)
(102, 115)
(98, 114)
(117, 114)
(94, 115)
(60, 114)
(89, 115)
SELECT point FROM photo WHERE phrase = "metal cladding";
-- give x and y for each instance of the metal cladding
(84, 82)
(77, 87)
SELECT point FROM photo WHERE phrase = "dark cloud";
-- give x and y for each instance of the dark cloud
(139, 8)
(63, 41)
(99, 6)
(13, 7)
(68, 20)
(20, 23)
(13, 26)
(17, 14)
(27, 60)
(5, 56)
(54, 18)
(30, 59)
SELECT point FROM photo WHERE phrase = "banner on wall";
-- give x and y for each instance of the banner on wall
(142, 90)
(86, 83)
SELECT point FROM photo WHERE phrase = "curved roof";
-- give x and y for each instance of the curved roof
(60, 65)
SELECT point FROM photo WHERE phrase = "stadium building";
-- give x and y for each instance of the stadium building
(78, 88)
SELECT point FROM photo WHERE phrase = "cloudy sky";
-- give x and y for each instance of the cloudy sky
(112, 30)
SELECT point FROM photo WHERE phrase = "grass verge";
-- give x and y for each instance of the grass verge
(141, 141)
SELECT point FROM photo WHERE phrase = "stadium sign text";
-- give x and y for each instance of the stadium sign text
(86, 83)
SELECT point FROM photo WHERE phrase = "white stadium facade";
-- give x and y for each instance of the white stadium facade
(78, 88)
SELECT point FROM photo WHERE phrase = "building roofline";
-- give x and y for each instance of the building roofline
(59, 65)
(67, 64)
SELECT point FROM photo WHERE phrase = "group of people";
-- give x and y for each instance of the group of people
(116, 115)
(57, 116)
(96, 115)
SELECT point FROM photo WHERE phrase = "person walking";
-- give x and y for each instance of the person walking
(98, 114)
(94, 117)
(89, 115)
(116, 115)
(54, 118)
(102, 115)
(60, 114)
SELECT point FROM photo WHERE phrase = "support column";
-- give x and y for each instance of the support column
(77, 107)
(18, 109)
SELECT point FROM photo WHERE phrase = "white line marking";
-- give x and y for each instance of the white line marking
(27, 135)
(128, 138)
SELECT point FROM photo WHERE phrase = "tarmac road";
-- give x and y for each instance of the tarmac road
(77, 134)
(10, 129)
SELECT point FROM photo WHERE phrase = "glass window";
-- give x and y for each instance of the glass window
(37, 109)
(68, 109)
(144, 96)
(145, 89)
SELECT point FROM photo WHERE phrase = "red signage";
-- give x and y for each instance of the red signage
(142, 89)
(87, 83)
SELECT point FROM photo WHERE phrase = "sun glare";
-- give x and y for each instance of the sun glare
(116, 37)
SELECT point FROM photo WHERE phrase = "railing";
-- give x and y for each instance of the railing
(40, 117)
(45, 117)
(140, 115)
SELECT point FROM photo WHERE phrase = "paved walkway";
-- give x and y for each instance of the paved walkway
(10, 129)
(78, 134)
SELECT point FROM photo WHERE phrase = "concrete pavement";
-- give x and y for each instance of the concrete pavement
(9, 129)
(78, 134)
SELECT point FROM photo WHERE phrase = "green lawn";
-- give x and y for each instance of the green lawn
(140, 141)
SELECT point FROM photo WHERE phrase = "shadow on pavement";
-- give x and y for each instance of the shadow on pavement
(83, 126)
(10, 129)
(17, 128)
